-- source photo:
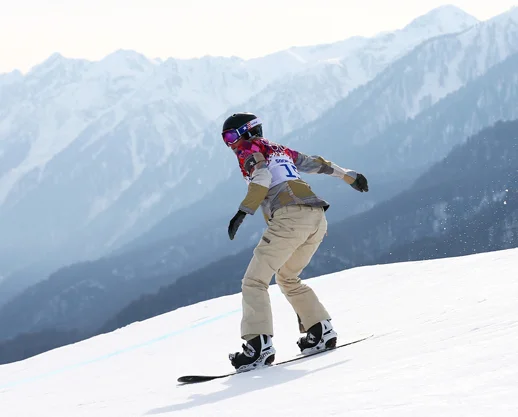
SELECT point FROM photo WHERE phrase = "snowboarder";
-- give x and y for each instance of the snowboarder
(296, 227)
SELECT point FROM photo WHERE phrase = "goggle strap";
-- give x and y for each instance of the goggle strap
(248, 126)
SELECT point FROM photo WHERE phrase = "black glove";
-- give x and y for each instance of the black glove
(235, 223)
(360, 183)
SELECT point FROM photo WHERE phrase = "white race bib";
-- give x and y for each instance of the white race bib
(282, 169)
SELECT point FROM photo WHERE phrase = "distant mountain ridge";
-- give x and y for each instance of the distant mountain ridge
(94, 154)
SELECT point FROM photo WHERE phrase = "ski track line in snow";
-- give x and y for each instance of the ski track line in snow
(117, 352)
(58, 371)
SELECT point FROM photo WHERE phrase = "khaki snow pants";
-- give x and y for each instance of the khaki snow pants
(285, 249)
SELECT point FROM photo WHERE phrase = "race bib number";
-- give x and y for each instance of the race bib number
(282, 169)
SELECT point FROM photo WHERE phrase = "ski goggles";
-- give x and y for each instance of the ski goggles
(231, 136)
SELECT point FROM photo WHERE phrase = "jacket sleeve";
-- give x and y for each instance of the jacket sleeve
(318, 165)
(259, 184)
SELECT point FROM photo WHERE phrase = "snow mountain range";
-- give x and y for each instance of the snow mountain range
(408, 87)
(93, 154)
(146, 175)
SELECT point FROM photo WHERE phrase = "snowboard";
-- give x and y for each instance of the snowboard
(194, 379)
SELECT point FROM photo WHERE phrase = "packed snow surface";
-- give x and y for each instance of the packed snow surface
(445, 344)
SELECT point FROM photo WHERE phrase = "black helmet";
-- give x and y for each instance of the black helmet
(239, 120)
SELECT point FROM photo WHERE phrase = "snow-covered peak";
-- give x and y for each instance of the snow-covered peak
(56, 62)
(383, 48)
(298, 57)
(439, 21)
(11, 77)
(494, 37)
(209, 84)
(327, 73)
(510, 16)
(122, 63)
(48, 78)
(51, 62)
(443, 19)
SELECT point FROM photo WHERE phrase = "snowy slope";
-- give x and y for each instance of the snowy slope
(445, 345)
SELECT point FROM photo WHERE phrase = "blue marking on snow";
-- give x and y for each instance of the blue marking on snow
(117, 352)
(45, 375)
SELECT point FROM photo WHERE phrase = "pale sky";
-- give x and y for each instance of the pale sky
(32, 30)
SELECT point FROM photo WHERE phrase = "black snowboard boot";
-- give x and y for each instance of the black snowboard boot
(257, 353)
(319, 337)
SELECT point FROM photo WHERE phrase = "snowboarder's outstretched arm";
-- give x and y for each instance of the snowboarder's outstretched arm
(318, 165)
